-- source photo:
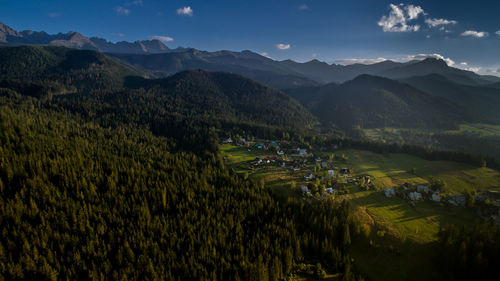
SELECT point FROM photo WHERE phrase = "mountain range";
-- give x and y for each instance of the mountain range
(155, 59)
(414, 94)
(9, 36)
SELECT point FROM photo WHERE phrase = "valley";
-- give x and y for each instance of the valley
(392, 227)
(136, 161)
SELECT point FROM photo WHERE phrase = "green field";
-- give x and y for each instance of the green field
(401, 232)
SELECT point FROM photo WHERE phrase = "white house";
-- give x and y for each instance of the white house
(309, 177)
(304, 189)
(228, 140)
(414, 196)
(331, 173)
(436, 197)
(389, 192)
(330, 190)
(302, 151)
(280, 152)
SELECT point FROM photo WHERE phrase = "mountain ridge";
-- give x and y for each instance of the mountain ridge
(71, 39)
(279, 74)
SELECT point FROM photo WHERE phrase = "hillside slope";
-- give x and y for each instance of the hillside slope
(207, 99)
(370, 101)
(479, 103)
(35, 70)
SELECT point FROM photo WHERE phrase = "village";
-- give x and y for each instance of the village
(318, 173)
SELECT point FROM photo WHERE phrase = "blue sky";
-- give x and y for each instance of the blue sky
(462, 31)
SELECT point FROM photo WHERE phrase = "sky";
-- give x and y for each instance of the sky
(465, 33)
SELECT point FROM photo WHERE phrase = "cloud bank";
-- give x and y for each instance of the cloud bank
(473, 33)
(398, 18)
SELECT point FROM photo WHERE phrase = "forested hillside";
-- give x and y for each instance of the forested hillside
(371, 102)
(43, 71)
(82, 201)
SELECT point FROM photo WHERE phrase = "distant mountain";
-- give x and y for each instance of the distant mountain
(156, 60)
(101, 85)
(373, 102)
(245, 63)
(479, 103)
(41, 70)
(9, 36)
(437, 66)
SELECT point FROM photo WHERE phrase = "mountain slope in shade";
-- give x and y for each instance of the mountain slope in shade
(373, 102)
(479, 103)
(224, 96)
(37, 70)
(244, 63)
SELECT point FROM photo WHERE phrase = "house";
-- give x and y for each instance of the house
(280, 152)
(389, 192)
(331, 173)
(414, 196)
(344, 171)
(457, 200)
(330, 190)
(257, 161)
(435, 197)
(367, 179)
(309, 177)
(302, 151)
(228, 140)
(304, 189)
(259, 146)
(274, 143)
(318, 159)
(324, 164)
(422, 189)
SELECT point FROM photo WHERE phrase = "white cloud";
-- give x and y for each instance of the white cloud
(303, 7)
(265, 54)
(413, 11)
(53, 15)
(439, 22)
(398, 18)
(428, 36)
(122, 11)
(314, 55)
(473, 69)
(361, 61)
(282, 46)
(463, 64)
(161, 38)
(497, 33)
(185, 11)
(473, 33)
(448, 61)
